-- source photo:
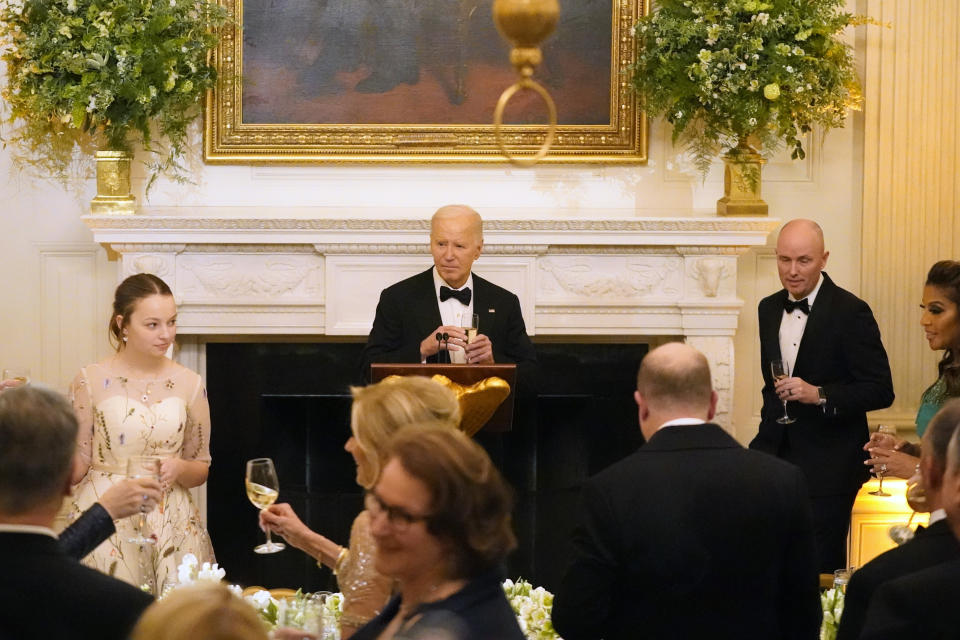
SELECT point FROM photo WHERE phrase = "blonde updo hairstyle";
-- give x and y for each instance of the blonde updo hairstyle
(209, 611)
(379, 410)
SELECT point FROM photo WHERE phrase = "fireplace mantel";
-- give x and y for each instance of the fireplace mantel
(318, 271)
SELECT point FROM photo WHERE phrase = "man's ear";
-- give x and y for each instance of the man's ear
(712, 411)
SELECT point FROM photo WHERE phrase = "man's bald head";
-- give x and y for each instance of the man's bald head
(800, 256)
(674, 381)
(809, 230)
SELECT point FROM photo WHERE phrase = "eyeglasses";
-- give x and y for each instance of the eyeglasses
(398, 517)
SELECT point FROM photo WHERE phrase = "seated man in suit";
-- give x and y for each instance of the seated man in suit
(45, 593)
(933, 545)
(923, 604)
(692, 536)
(442, 300)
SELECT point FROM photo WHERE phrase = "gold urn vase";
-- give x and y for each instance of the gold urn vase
(741, 182)
(113, 184)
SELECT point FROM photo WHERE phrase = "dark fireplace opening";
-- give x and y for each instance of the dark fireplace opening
(291, 402)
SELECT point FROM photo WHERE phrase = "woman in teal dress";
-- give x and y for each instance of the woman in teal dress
(941, 324)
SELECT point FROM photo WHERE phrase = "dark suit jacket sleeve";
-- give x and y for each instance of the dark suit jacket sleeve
(870, 385)
(799, 603)
(83, 536)
(515, 346)
(582, 605)
(386, 340)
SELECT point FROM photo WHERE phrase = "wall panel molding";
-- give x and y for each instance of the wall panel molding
(911, 197)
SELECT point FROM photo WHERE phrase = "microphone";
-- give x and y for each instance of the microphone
(446, 345)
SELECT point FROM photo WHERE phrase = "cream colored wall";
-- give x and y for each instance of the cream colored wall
(57, 283)
(911, 213)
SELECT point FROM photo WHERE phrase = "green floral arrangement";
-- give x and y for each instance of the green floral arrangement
(831, 601)
(721, 71)
(533, 608)
(105, 74)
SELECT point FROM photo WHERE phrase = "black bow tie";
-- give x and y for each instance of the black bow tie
(463, 295)
(789, 305)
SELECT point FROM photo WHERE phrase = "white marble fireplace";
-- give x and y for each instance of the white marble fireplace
(262, 271)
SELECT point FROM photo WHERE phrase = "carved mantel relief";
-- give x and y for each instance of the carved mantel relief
(295, 273)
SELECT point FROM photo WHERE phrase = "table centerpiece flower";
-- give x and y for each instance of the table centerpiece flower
(725, 73)
(105, 74)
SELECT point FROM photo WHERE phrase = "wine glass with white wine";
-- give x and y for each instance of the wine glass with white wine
(142, 467)
(263, 489)
(780, 370)
(891, 430)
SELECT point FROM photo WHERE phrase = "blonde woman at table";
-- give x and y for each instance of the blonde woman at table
(378, 412)
(206, 611)
(941, 324)
(138, 402)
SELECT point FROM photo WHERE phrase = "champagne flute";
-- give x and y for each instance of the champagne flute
(780, 370)
(890, 430)
(142, 467)
(470, 323)
(263, 489)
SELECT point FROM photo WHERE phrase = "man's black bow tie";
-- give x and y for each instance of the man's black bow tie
(463, 295)
(788, 304)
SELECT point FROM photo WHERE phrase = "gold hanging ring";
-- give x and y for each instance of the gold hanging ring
(509, 92)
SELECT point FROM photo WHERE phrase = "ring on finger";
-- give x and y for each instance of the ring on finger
(883, 468)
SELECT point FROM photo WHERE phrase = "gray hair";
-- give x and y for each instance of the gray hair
(38, 437)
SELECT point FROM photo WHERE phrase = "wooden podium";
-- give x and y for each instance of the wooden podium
(463, 374)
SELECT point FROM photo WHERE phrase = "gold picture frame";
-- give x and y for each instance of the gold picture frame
(311, 81)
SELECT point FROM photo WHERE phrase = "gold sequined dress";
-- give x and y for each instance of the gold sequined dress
(365, 591)
(122, 417)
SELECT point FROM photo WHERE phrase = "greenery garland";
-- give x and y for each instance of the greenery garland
(105, 74)
(724, 70)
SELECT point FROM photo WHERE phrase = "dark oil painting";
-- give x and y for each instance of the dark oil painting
(414, 62)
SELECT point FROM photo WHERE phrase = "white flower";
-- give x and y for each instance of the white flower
(789, 69)
(742, 66)
(71, 5)
(678, 114)
(762, 18)
(753, 122)
(189, 559)
(261, 599)
(236, 590)
(211, 573)
(92, 104)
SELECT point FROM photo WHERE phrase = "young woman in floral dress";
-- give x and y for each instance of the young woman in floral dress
(138, 402)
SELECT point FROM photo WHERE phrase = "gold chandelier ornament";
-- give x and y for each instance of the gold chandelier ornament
(525, 24)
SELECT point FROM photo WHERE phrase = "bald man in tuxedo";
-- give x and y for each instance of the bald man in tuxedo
(838, 370)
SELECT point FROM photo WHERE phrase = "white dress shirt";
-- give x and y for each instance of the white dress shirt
(792, 326)
(676, 422)
(454, 313)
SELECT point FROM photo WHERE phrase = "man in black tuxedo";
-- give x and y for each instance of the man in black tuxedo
(838, 370)
(931, 546)
(923, 604)
(45, 593)
(692, 536)
(442, 299)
